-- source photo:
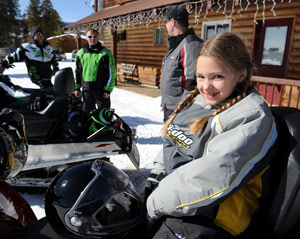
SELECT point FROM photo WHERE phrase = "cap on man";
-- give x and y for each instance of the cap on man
(177, 12)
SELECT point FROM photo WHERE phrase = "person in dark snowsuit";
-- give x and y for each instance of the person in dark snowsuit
(39, 58)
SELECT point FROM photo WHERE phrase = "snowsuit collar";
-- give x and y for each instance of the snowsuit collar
(94, 49)
(45, 43)
(175, 40)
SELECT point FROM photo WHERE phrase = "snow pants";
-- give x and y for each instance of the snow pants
(190, 228)
(90, 98)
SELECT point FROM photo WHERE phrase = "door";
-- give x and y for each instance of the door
(271, 50)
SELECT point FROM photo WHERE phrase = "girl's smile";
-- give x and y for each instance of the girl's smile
(215, 81)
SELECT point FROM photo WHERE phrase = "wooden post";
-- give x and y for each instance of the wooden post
(78, 41)
(114, 47)
(96, 5)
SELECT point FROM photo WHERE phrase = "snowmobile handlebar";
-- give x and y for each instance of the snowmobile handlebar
(3, 67)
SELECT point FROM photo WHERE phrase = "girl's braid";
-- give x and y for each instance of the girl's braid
(197, 126)
(184, 103)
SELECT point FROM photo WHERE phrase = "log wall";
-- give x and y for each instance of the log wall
(139, 48)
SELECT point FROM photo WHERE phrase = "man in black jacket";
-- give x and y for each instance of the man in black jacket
(178, 73)
(39, 58)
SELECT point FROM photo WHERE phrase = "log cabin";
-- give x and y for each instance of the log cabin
(135, 32)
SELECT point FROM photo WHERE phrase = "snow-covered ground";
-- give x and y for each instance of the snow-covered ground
(140, 112)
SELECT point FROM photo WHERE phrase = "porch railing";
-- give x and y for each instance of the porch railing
(278, 92)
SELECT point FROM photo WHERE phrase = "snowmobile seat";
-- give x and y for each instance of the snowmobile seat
(64, 83)
(280, 214)
(284, 213)
(40, 125)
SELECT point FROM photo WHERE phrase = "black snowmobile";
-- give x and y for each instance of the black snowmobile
(34, 99)
(58, 136)
(278, 217)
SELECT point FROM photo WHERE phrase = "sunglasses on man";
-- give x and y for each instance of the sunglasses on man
(38, 34)
(92, 36)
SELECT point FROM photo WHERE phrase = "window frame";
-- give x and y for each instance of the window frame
(161, 36)
(215, 24)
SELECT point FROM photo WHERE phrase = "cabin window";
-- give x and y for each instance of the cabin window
(211, 28)
(274, 45)
(159, 34)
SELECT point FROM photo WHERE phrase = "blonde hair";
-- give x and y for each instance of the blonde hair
(227, 48)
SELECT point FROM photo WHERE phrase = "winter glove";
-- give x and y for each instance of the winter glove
(152, 183)
(38, 104)
(54, 71)
(152, 225)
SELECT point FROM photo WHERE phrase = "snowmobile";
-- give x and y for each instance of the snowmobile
(278, 219)
(58, 136)
(34, 99)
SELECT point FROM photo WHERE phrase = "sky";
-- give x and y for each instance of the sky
(140, 112)
(69, 10)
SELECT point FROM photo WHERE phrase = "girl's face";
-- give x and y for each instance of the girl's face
(215, 81)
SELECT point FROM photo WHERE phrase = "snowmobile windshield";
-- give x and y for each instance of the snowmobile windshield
(108, 201)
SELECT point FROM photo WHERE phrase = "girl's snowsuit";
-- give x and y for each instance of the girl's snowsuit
(219, 174)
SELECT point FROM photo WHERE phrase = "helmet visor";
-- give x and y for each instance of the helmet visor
(106, 203)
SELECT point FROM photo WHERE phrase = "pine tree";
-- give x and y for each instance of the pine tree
(9, 12)
(34, 15)
(51, 22)
(4, 24)
(13, 21)
(58, 30)
(23, 28)
(46, 17)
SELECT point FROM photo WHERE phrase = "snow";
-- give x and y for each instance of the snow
(141, 113)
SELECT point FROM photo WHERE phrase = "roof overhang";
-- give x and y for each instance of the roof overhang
(111, 15)
(145, 11)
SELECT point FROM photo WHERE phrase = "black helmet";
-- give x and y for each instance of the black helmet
(76, 123)
(13, 145)
(98, 118)
(93, 201)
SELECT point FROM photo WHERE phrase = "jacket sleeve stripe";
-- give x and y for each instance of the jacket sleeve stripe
(112, 72)
(246, 169)
(109, 78)
(221, 128)
(183, 73)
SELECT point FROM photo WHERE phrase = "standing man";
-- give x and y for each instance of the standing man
(39, 59)
(178, 73)
(95, 73)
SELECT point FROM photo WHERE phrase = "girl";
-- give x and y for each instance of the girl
(212, 168)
